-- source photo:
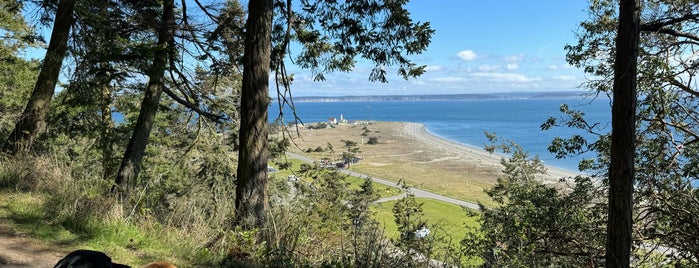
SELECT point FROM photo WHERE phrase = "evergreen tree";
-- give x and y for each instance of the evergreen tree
(666, 124)
(16, 73)
(133, 157)
(622, 150)
(34, 115)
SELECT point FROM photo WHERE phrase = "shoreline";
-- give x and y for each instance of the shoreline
(407, 152)
(420, 132)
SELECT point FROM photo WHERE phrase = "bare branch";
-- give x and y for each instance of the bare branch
(659, 24)
(213, 117)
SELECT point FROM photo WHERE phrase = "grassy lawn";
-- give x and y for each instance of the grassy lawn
(450, 218)
(445, 220)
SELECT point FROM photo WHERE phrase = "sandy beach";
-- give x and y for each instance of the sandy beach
(409, 153)
(420, 132)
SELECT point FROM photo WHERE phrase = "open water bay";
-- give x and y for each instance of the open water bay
(466, 120)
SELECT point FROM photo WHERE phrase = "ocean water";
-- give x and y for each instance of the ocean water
(466, 121)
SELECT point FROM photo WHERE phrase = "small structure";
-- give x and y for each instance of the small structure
(422, 232)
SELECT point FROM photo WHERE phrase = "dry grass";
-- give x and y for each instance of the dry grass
(399, 155)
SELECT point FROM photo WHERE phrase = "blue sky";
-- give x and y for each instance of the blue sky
(479, 46)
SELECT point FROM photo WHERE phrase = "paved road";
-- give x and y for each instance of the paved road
(417, 192)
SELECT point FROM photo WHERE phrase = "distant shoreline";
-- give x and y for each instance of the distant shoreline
(437, 97)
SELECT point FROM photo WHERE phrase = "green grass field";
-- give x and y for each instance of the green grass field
(450, 218)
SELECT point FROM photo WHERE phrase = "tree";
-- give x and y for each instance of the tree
(380, 31)
(133, 156)
(534, 224)
(621, 166)
(29, 123)
(16, 73)
(178, 47)
(251, 186)
(666, 119)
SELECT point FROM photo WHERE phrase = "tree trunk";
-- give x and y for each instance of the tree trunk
(251, 187)
(107, 130)
(621, 167)
(34, 114)
(133, 157)
(104, 77)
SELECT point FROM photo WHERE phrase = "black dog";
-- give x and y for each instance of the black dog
(88, 259)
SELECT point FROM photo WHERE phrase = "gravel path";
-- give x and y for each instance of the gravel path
(17, 250)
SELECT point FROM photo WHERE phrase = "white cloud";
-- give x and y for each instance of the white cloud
(433, 68)
(467, 55)
(559, 67)
(447, 79)
(564, 77)
(514, 58)
(512, 66)
(488, 68)
(503, 77)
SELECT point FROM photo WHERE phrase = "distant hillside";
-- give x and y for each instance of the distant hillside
(484, 96)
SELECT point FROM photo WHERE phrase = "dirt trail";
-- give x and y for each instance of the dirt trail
(17, 250)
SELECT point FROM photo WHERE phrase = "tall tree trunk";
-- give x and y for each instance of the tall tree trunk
(107, 130)
(34, 114)
(104, 77)
(621, 167)
(251, 189)
(133, 157)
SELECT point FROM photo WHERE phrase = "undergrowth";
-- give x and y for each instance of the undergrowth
(324, 219)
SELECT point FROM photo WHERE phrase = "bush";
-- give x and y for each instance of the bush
(373, 140)
(319, 125)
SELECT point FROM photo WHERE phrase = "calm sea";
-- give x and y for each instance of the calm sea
(466, 121)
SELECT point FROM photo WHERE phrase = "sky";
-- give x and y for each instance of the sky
(478, 47)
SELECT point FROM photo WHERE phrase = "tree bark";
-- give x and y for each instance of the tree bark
(621, 167)
(251, 186)
(34, 115)
(133, 157)
(107, 130)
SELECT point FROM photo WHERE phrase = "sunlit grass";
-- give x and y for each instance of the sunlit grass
(124, 241)
(451, 218)
(26, 212)
(446, 220)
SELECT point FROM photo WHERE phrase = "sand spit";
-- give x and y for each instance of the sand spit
(419, 132)
(408, 152)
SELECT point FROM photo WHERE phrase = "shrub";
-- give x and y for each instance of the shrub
(373, 140)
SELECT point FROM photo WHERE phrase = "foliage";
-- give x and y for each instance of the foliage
(333, 34)
(16, 73)
(319, 125)
(47, 202)
(320, 206)
(536, 224)
(666, 118)
(414, 238)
